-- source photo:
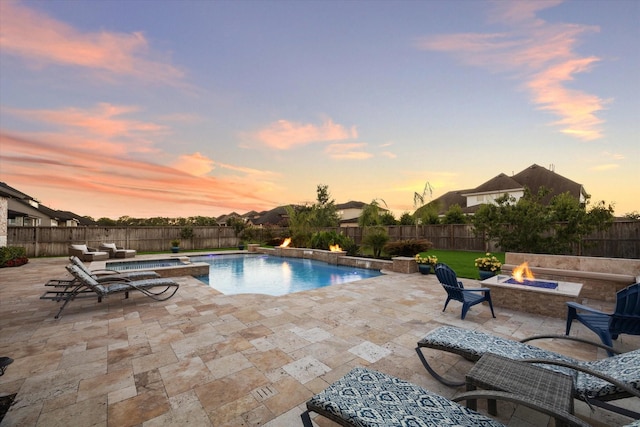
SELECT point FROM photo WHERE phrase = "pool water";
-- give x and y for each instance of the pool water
(264, 274)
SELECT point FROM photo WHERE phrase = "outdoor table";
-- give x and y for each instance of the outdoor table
(493, 372)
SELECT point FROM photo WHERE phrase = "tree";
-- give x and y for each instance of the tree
(406, 219)
(387, 218)
(528, 225)
(370, 215)
(324, 212)
(299, 225)
(106, 221)
(424, 214)
(237, 223)
(454, 215)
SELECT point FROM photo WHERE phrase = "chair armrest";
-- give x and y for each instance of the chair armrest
(571, 338)
(475, 290)
(523, 400)
(584, 308)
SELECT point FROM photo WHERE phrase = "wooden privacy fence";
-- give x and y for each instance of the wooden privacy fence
(621, 240)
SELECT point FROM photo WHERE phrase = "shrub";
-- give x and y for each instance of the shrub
(375, 237)
(323, 239)
(407, 247)
(13, 256)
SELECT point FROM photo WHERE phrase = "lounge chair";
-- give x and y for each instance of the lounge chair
(86, 253)
(624, 320)
(117, 251)
(100, 275)
(106, 274)
(596, 382)
(367, 398)
(456, 290)
(86, 284)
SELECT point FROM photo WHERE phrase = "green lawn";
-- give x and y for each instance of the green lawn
(462, 262)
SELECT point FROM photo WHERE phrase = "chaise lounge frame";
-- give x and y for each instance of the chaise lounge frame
(364, 397)
(85, 286)
(472, 345)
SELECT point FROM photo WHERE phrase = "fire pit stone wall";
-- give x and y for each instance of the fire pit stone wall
(601, 277)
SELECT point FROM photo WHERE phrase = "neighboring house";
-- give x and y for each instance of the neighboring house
(24, 210)
(534, 177)
(350, 212)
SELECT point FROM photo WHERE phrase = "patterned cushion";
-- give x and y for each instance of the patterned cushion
(366, 398)
(473, 344)
(623, 367)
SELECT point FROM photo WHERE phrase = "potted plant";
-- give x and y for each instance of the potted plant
(488, 266)
(175, 246)
(425, 263)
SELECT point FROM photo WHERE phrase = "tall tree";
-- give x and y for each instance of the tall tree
(324, 211)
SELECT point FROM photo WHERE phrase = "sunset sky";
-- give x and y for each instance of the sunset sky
(183, 108)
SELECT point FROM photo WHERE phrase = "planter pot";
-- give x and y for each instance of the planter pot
(175, 249)
(424, 268)
(486, 274)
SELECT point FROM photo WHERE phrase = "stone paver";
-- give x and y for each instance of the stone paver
(202, 358)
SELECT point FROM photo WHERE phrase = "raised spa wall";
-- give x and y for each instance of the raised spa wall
(398, 264)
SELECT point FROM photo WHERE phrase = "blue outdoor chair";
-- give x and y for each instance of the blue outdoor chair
(624, 320)
(456, 291)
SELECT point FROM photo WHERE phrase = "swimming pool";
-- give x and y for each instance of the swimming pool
(264, 274)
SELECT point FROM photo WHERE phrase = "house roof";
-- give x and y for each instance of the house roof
(501, 182)
(533, 177)
(10, 192)
(30, 209)
(351, 205)
(274, 217)
(536, 176)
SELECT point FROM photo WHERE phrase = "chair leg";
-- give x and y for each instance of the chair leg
(465, 308)
(306, 419)
(446, 303)
(605, 337)
(571, 314)
(490, 304)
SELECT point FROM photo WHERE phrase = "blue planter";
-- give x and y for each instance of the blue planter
(486, 274)
(424, 268)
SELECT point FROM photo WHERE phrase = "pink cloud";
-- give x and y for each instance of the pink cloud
(43, 40)
(102, 128)
(124, 184)
(194, 164)
(539, 53)
(283, 134)
(350, 151)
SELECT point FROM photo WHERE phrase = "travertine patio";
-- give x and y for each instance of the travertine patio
(207, 359)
